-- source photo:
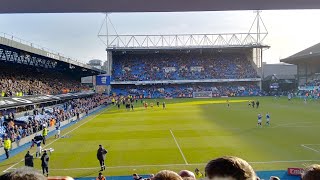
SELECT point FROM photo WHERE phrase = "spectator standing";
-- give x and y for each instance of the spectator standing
(7, 146)
(28, 160)
(44, 133)
(101, 156)
(45, 163)
(57, 135)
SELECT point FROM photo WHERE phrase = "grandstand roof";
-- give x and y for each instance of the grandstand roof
(26, 46)
(310, 54)
(65, 6)
(180, 50)
(177, 49)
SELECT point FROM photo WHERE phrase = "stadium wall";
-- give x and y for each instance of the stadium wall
(28, 139)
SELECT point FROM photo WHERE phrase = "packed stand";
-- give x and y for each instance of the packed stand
(21, 81)
(181, 66)
(47, 117)
(310, 89)
(187, 90)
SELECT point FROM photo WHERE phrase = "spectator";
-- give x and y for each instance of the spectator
(25, 173)
(187, 173)
(167, 175)
(45, 163)
(28, 159)
(7, 146)
(136, 177)
(274, 178)
(230, 167)
(198, 174)
(311, 173)
(100, 177)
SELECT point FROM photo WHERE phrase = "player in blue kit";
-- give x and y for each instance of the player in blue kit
(268, 119)
(259, 120)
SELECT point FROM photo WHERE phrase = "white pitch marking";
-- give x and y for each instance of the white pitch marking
(174, 138)
(58, 138)
(286, 124)
(167, 165)
(310, 148)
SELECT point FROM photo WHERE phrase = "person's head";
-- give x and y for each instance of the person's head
(186, 173)
(274, 178)
(25, 173)
(196, 170)
(311, 172)
(167, 175)
(188, 178)
(28, 152)
(100, 146)
(135, 176)
(230, 167)
(100, 174)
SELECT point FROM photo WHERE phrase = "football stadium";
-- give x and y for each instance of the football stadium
(162, 107)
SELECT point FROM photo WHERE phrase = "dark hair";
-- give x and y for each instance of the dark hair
(186, 173)
(274, 178)
(25, 173)
(312, 172)
(230, 166)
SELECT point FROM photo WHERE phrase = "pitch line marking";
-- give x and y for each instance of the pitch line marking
(166, 165)
(307, 147)
(59, 138)
(286, 124)
(175, 140)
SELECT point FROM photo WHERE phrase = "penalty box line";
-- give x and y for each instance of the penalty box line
(172, 165)
(306, 146)
(11, 167)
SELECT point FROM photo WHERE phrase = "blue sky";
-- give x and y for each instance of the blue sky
(75, 35)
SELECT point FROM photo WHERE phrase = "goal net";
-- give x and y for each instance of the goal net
(202, 94)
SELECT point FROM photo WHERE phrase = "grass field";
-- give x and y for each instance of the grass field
(189, 133)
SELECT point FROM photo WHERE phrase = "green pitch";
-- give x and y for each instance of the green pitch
(186, 135)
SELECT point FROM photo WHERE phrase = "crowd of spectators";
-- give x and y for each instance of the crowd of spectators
(181, 66)
(310, 89)
(31, 81)
(187, 90)
(228, 168)
(47, 117)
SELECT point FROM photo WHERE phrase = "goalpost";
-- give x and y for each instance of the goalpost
(202, 94)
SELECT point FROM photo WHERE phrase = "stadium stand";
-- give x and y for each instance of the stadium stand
(47, 117)
(186, 90)
(181, 66)
(188, 69)
(35, 81)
